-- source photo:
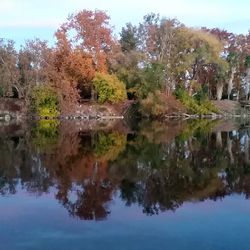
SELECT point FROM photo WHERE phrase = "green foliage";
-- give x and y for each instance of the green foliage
(45, 102)
(200, 106)
(202, 94)
(153, 105)
(109, 88)
(208, 105)
(247, 61)
(152, 80)
(45, 134)
(109, 146)
(233, 59)
(129, 39)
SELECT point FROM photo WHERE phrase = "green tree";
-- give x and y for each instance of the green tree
(45, 101)
(129, 38)
(109, 88)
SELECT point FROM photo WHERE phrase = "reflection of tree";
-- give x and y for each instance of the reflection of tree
(91, 201)
(20, 165)
(80, 168)
(108, 146)
(162, 175)
(157, 168)
(45, 134)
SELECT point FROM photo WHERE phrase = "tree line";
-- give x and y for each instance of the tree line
(149, 62)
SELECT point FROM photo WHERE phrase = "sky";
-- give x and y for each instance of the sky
(26, 19)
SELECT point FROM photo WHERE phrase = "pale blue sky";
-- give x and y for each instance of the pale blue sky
(26, 19)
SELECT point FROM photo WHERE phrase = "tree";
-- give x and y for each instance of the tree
(127, 60)
(168, 52)
(233, 60)
(32, 64)
(93, 35)
(69, 69)
(236, 49)
(83, 46)
(182, 52)
(9, 74)
(129, 38)
(247, 77)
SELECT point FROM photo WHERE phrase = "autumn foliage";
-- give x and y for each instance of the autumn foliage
(83, 44)
(147, 64)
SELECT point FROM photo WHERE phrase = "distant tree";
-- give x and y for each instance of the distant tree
(233, 60)
(9, 74)
(129, 38)
(69, 70)
(93, 34)
(83, 46)
(32, 63)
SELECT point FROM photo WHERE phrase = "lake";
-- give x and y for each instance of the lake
(113, 185)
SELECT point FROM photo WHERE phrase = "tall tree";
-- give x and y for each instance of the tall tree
(32, 63)
(93, 34)
(233, 60)
(9, 74)
(83, 46)
(69, 70)
(129, 38)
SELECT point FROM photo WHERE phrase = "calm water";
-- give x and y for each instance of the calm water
(172, 185)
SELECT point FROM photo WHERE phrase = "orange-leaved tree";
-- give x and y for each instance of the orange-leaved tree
(83, 46)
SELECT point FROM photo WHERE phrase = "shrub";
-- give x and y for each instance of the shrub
(201, 94)
(153, 105)
(109, 88)
(200, 106)
(158, 104)
(45, 102)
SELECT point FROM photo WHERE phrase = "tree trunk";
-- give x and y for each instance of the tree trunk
(229, 148)
(219, 90)
(246, 148)
(92, 94)
(218, 139)
(247, 79)
(230, 82)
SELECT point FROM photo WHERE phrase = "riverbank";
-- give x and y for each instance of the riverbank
(11, 108)
(226, 108)
(229, 107)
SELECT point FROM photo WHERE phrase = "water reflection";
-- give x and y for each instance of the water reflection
(158, 167)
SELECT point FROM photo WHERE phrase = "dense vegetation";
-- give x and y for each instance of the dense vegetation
(150, 63)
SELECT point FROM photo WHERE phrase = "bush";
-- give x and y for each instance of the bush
(201, 94)
(200, 106)
(45, 102)
(153, 105)
(109, 88)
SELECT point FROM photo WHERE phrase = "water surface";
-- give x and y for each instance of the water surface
(154, 185)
